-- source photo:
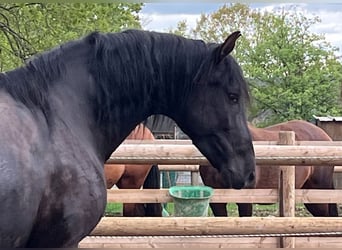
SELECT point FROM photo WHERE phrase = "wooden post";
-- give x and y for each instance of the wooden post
(287, 202)
(194, 178)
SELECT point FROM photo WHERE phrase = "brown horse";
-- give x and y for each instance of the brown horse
(135, 176)
(307, 177)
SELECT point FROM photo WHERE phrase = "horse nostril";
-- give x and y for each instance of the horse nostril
(251, 176)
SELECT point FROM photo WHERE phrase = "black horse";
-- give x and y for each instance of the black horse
(68, 109)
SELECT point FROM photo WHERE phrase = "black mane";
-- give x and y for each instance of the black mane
(116, 61)
(30, 83)
(157, 60)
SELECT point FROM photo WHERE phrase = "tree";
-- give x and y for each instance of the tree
(181, 29)
(293, 73)
(26, 29)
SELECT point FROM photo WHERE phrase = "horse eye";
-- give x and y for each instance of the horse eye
(233, 98)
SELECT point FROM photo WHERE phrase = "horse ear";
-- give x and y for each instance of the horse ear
(228, 45)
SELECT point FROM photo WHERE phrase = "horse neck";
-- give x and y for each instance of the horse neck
(155, 81)
(112, 93)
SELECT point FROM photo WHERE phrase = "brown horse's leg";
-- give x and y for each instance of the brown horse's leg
(245, 209)
(134, 177)
(212, 178)
(152, 181)
(333, 210)
(322, 178)
(219, 209)
(317, 209)
(133, 209)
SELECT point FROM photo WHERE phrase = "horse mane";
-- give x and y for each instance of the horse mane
(149, 56)
(116, 61)
(30, 83)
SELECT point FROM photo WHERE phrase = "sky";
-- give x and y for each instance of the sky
(162, 16)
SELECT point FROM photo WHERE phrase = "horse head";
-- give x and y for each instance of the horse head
(214, 116)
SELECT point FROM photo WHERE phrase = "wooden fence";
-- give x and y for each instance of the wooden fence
(224, 232)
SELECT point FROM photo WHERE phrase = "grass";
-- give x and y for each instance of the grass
(115, 209)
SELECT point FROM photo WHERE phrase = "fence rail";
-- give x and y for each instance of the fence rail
(160, 152)
(166, 226)
(226, 196)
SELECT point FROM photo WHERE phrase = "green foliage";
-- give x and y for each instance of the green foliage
(293, 73)
(26, 29)
(289, 74)
(181, 29)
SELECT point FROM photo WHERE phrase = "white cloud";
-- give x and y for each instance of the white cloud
(330, 20)
(164, 22)
(330, 26)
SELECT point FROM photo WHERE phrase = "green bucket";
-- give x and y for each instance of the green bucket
(191, 201)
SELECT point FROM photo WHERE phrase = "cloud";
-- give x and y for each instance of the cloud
(180, 8)
(330, 26)
(165, 16)
(330, 22)
(164, 22)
